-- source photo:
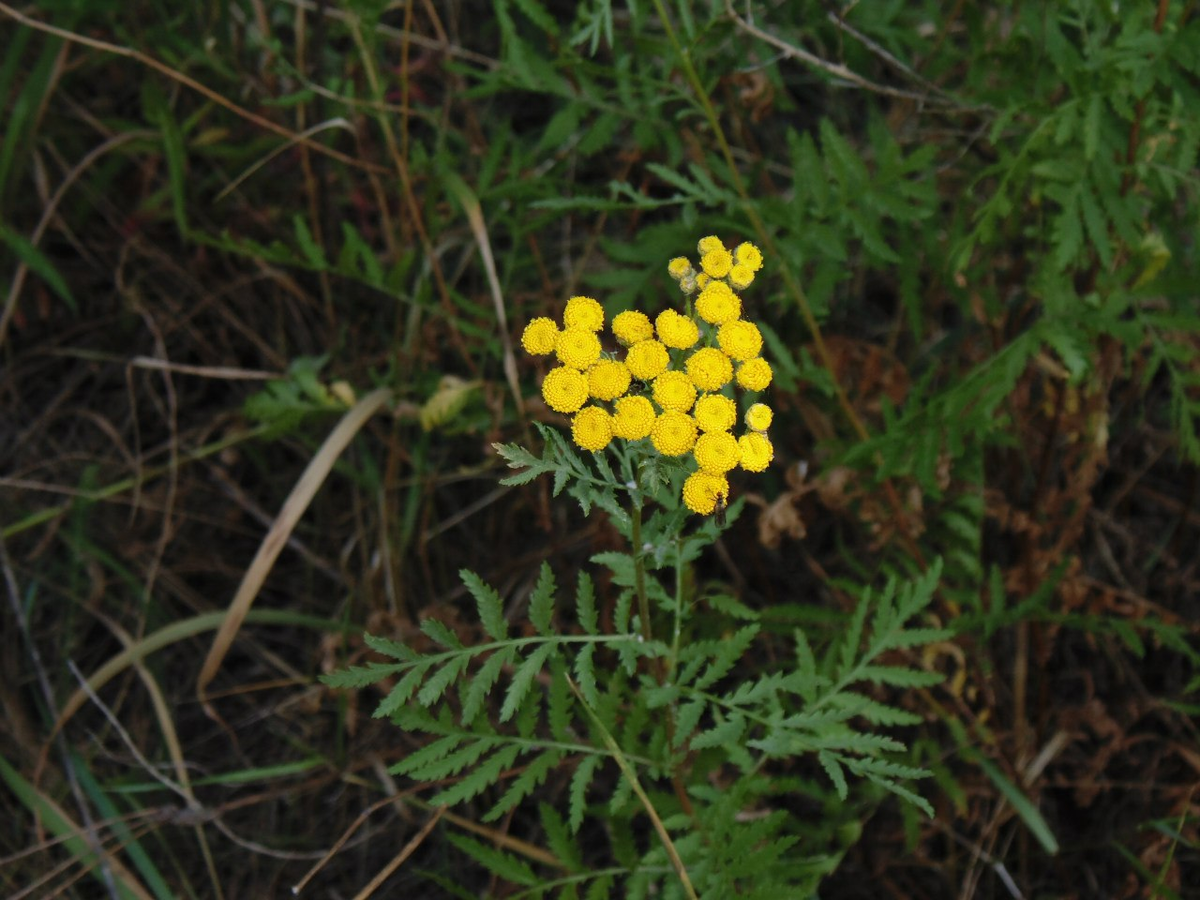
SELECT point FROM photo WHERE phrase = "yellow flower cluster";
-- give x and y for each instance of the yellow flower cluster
(680, 396)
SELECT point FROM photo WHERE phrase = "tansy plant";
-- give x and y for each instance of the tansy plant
(658, 700)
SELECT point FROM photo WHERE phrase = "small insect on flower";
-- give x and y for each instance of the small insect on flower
(719, 510)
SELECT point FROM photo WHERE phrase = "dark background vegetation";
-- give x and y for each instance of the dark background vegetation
(223, 223)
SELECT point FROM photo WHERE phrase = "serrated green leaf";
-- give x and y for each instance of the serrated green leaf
(522, 680)
(581, 780)
(479, 779)
(488, 603)
(431, 752)
(541, 602)
(437, 683)
(402, 692)
(508, 867)
(389, 647)
(585, 604)
(437, 632)
(621, 565)
(726, 732)
(686, 719)
(483, 682)
(731, 649)
(585, 674)
(834, 770)
(525, 783)
(558, 838)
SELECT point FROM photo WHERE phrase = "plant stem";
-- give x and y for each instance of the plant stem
(675, 638)
(639, 571)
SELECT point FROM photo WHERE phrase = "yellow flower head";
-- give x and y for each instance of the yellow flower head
(702, 280)
(608, 379)
(740, 339)
(715, 412)
(539, 336)
(709, 369)
(632, 326)
(716, 263)
(746, 254)
(718, 303)
(585, 313)
(565, 389)
(592, 428)
(741, 277)
(716, 452)
(758, 417)
(674, 433)
(702, 490)
(754, 374)
(679, 268)
(674, 390)
(756, 451)
(577, 348)
(634, 418)
(708, 244)
(676, 330)
(647, 359)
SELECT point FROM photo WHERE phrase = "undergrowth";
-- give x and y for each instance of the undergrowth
(267, 270)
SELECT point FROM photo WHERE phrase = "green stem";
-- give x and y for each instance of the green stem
(639, 571)
(675, 639)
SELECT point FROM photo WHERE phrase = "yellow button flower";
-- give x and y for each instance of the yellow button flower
(679, 268)
(756, 450)
(708, 244)
(754, 374)
(702, 490)
(647, 359)
(715, 412)
(740, 339)
(716, 263)
(585, 313)
(741, 277)
(716, 452)
(539, 336)
(674, 390)
(592, 428)
(746, 254)
(709, 369)
(608, 379)
(758, 417)
(632, 326)
(674, 433)
(634, 418)
(565, 389)
(676, 330)
(718, 303)
(577, 348)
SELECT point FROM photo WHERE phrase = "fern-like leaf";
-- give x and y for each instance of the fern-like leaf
(580, 782)
(541, 603)
(489, 604)
(496, 861)
(525, 783)
(522, 680)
